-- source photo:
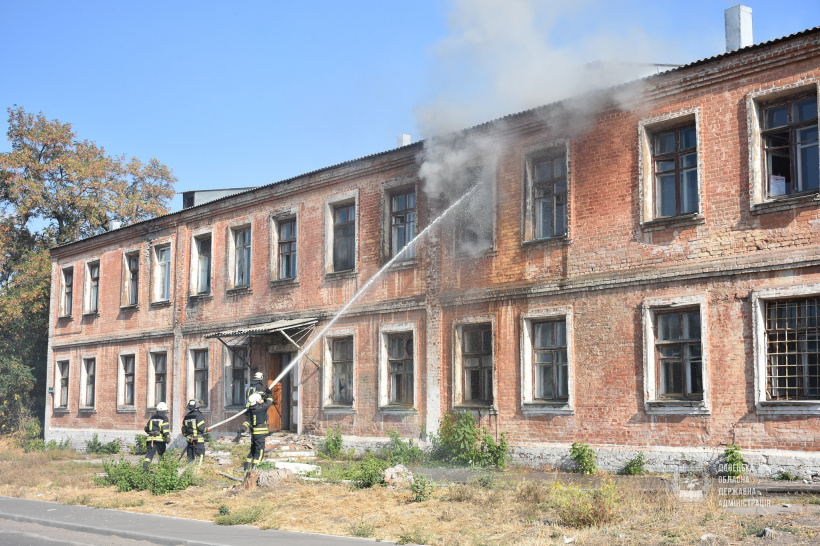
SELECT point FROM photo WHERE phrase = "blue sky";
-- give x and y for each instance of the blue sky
(234, 94)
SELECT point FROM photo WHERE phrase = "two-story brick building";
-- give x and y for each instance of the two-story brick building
(650, 282)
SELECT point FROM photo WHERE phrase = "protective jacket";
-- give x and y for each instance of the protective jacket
(158, 427)
(256, 386)
(257, 415)
(193, 426)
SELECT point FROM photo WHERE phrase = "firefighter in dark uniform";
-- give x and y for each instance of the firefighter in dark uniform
(257, 422)
(158, 430)
(255, 386)
(194, 429)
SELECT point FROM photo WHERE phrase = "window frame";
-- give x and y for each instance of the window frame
(328, 404)
(647, 130)
(654, 401)
(150, 393)
(552, 151)
(756, 102)
(791, 127)
(459, 328)
(84, 383)
(410, 254)
(195, 279)
(130, 279)
(760, 299)
(122, 381)
(234, 261)
(62, 384)
(158, 280)
(195, 349)
(290, 215)
(332, 203)
(91, 304)
(230, 359)
(386, 331)
(463, 213)
(66, 296)
(529, 403)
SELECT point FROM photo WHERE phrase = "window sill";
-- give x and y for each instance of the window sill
(774, 204)
(489, 253)
(336, 275)
(404, 264)
(406, 410)
(547, 408)
(126, 409)
(91, 314)
(788, 407)
(340, 409)
(677, 407)
(292, 281)
(160, 303)
(65, 317)
(203, 296)
(488, 410)
(86, 409)
(129, 307)
(61, 410)
(238, 290)
(232, 408)
(557, 240)
(670, 222)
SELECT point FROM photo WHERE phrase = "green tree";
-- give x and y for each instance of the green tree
(54, 189)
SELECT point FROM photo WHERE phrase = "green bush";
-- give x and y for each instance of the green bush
(370, 472)
(494, 454)
(585, 507)
(124, 476)
(421, 488)
(333, 443)
(95, 446)
(460, 441)
(584, 458)
(165, 479)
(734, 460)
(785, 476)
(401, 452)
(31, 435)
(635, 466)
(140, 447)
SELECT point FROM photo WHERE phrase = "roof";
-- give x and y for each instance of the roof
(266, 328)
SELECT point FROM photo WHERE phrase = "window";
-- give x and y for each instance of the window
(477, 364)
(676, 171)
(201, 275)
(126, 397)
(678, 354)
(200, 376)
(92, 303)
(162, 273)
(550, 366)
(238, 375)
(160, 382)
(344, 237)
(131, 279)
(342, 371)
(548, 179)
(473, 222)
(789, 140)
(400, 364)
(62, 385)
(793, 349)
(403, 223)
(87, 382)
(67, 299)
(675, 356)
(287, 248)
(242, 257)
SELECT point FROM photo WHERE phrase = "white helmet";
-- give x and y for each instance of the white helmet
(162, 406)
(258, 375)
(255, 398)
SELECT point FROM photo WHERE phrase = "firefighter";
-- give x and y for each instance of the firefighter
(159, 434)
(255, 386)
(194, 429)
(257, 421)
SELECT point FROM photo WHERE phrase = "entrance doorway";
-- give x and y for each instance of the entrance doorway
(281, 414)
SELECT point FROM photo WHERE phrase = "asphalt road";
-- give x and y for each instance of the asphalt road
(40, 523)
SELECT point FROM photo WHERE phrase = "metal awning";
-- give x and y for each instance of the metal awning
(266, 328)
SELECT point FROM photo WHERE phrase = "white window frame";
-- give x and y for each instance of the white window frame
(291, 214)
(125, 297)
(388, 190)
(58, 383)
(653, 403)
(190, 373)
(337, 200)
(196, 238)
(530, 219)
(758, 189)
(458, 365)
(385, 331)
(647, 128)
(529, 405)
(158, 282)
(121, 405)
(87, 299)
(232, 261)
(84, 380)
(759, 299)
(151, 393)
(63, 299)
(227, 370)
(327, 371)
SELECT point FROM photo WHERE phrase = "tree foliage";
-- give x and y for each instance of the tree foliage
(55, 189)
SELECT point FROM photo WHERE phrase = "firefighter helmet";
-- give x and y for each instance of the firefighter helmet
(162, 406)
(193, 404)
(258, 375)
(255, 398)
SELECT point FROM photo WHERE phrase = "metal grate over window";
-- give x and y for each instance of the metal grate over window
(792, 352)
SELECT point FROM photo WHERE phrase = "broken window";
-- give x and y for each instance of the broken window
(402, 223)
(477, 363)
(344, 237)
(549, 194)
(88, 382)
(287, 248)
(242, 257)
(550, 365)
(400, 364)
(132, 274)
(342, 372)
(202, 268)
(789, 138)
(127, 393)
(68, 291)
(678, 350)
(162, 275)
(201, 392)
(473, 222)
(62, 371)
(793, 349)
(239, 375)
(160, 377)
(93, 300)
(676, 171)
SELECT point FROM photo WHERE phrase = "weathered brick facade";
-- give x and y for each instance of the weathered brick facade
(618, 266)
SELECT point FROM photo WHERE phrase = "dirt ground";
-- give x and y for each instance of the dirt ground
(516, 506)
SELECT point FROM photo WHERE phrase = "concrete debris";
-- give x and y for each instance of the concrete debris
(398, 476)
(299, 469)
